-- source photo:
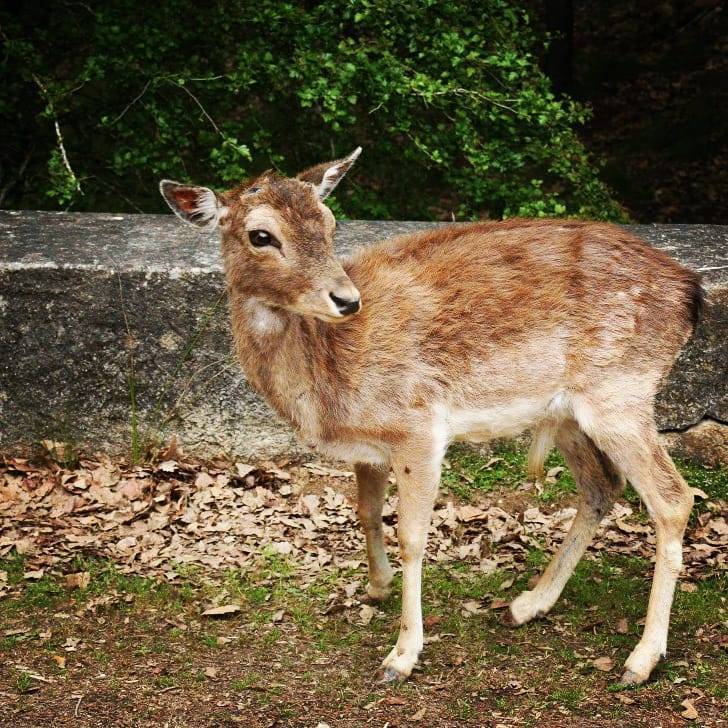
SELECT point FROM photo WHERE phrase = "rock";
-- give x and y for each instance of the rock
(106, 319)
(706, 442)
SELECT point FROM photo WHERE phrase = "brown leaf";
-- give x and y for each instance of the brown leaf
(60, 660)
(419, 715)
(244, 469)
(79, 580)
(351, 588)
(623, 626)
(211, 672)
(204, 480)
(605, 664)
(282, 547)
(499, 604)
(221, 611)
(470, 513)
(688, 586)
(689, 713)
(33, 575)
(366, 614)
(491, 463)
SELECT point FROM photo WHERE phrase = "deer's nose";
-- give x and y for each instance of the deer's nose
(346, 306)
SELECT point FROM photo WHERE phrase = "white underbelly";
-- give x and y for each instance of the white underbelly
(352, 452)
(503, 420)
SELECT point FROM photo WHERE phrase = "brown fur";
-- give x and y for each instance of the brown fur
(465, 332)
(436, 304)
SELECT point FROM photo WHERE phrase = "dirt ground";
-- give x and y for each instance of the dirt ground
(219, 594)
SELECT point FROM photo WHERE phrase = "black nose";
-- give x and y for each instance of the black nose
(345, 306)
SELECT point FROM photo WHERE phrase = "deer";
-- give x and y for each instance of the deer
(464, 332)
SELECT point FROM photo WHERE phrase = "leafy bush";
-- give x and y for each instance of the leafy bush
(447, 99)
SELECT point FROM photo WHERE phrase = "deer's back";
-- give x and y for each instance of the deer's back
(521, 301)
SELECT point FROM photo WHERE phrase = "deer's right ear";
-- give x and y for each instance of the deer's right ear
(324, 177)
(197, 206)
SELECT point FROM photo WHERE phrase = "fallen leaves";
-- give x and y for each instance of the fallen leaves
(79, 580)
(158, 519)
(690, 713)
(419, 715)
(470, 608)
(366, 614)
(605, 664)
(221, 611)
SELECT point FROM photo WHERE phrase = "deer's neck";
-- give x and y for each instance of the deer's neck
(276, 350)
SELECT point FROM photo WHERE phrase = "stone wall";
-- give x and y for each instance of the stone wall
(106, 319)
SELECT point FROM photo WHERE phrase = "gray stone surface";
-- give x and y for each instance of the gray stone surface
(98, 311)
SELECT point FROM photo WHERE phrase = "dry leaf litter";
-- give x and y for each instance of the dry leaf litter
(153, 519)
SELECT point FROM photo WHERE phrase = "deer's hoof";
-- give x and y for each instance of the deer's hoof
(508, 619)
(631, 678)
(390, 675)
(376, 594)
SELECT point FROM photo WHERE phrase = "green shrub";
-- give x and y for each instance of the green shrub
(447, 99)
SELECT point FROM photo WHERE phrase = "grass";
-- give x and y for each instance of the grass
(553, 655)
(467, 473)
(23, 682)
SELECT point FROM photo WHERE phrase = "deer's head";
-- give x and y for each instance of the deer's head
(277, 238)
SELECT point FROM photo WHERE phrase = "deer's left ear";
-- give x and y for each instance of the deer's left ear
(198, 206)
(324, 177)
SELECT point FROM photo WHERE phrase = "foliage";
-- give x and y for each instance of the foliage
(447, 99)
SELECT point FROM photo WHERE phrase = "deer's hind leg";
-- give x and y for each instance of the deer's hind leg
(371, 482)
(599, 484)
(633, 445)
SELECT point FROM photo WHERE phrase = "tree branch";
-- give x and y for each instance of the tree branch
(57, 126)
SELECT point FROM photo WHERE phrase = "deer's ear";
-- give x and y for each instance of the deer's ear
(324, 177)
(197, 206)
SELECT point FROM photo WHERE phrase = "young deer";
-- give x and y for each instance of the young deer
(465, 332)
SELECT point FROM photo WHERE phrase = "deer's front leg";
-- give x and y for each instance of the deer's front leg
(371, 482)
(417, 487)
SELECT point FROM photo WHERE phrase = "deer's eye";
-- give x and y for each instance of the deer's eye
(260, 238)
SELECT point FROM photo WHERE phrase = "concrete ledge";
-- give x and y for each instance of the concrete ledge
(106, 319)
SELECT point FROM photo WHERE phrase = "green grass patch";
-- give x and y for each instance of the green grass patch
(713, 481)
(50, 591)
(23, 682)
(470, 473)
